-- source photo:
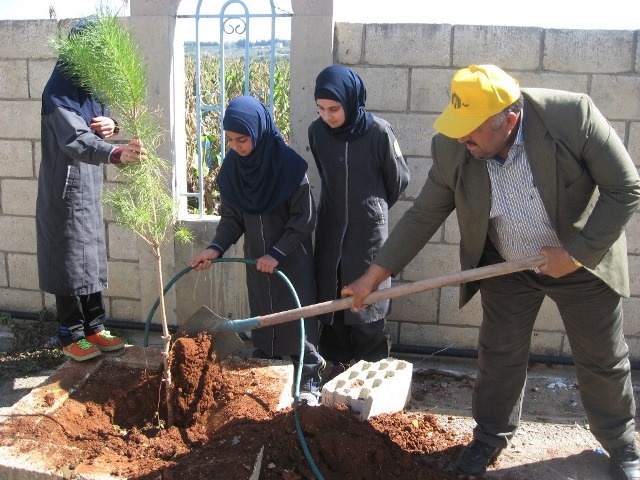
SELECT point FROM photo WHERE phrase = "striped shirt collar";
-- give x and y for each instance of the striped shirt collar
(517, 143)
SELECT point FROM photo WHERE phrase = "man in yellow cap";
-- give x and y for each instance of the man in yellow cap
(531, 171)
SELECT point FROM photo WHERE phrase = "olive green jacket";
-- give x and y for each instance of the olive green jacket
(586, 178)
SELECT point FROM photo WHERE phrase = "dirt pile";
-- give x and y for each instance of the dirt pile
(116, 424)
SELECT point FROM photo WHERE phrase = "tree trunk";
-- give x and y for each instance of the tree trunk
(166, 337)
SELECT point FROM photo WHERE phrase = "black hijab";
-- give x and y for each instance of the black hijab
(267, 176)
(341, 84)
(62, 91)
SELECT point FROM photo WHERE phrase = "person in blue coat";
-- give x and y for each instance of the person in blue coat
(363, 174)
(265, 197)
(72, 256)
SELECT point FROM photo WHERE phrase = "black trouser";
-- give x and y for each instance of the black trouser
(592, 317)
(312, 366)
(79, 316)
(363, 341)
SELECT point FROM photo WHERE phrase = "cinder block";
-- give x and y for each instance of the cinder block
(10, 110)
(371, 388)
(124, 280)
(4, 281)
(348, 44)
(13, 79)
(634, 278)
(443, 337)
(513, 48)
(122, 242)
(614, 95)
(403, 44)
(413, 130)
(407, 307)
(419, 168)
(435, 259)
(16, 158)
(578, 51)
(634, 144)
(562, 81)
(387, 88)
(631, 308)
(39, 73)
(23, 271)
(23, 300)
(28, 39)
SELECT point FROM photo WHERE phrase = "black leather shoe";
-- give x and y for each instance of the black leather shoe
(624, 462)
(475, 458)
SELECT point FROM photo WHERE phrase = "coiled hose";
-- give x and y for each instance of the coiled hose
(296, 390)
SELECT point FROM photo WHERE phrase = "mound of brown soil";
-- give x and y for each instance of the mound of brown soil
(116, 424)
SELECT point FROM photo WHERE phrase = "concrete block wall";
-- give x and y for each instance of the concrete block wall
(26, 62)
(407, 69)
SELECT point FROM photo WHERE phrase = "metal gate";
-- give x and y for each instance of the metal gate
(225, 37)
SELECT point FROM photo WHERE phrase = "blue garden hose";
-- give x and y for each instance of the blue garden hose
(251, 322)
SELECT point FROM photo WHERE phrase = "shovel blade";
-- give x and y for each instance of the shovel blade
(225, 342)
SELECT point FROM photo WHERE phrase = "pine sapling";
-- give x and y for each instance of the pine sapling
(104, 59)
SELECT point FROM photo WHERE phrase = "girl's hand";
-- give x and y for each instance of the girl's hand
(266, 264)
(133, 152)
(105, 127)
(202, 261)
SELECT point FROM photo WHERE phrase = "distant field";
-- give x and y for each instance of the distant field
(234, 51)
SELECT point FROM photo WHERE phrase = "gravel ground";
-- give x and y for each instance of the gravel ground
(553, 441)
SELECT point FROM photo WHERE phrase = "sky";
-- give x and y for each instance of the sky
(580, 14)
(38, 9)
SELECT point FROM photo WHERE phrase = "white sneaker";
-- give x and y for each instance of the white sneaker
(310, 398)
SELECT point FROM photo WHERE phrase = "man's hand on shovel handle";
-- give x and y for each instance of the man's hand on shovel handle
(364, 285)
(559, 262)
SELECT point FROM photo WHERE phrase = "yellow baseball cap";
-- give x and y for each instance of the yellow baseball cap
(477, 93)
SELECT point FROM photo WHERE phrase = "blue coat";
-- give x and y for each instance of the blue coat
(360, 181)
(72, 256)
(287, 228)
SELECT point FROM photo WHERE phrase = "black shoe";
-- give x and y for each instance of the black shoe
(475, 458)
(624, 462)
(337, 369)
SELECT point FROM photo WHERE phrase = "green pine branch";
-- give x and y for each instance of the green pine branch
(104, 59)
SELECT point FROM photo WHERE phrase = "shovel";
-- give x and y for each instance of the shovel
(226, 341)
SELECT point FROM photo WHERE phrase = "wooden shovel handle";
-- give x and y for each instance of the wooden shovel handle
(404, 289)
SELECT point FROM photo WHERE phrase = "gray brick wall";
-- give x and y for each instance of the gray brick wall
(407, 69)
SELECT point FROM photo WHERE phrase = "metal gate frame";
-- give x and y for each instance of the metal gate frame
(227, 28)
